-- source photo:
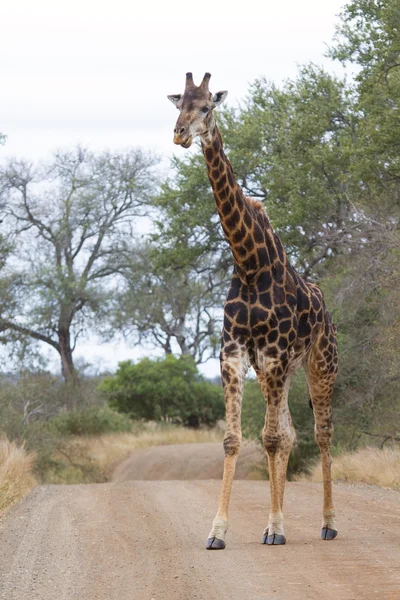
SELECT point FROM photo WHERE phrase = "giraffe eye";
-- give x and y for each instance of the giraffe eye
(205, 109)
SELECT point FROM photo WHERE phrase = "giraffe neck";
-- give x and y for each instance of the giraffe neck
(246, 226)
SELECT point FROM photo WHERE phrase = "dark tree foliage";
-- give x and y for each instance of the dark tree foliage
(368, 37)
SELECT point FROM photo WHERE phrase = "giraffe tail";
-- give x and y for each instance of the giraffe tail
(310, 404)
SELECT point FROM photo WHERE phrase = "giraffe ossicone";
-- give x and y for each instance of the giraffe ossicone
(274, 321)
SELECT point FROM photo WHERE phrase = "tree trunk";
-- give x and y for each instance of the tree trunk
(185, 350)
(67, 364)
(167, 346)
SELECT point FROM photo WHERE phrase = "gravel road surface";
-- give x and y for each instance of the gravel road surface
(144, 540)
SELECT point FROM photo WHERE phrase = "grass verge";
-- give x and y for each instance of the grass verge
(367, 465)
(91, 459)
(16, 478)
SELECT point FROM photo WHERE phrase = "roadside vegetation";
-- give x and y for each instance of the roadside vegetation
(16, 477)
(374, 466)
(321, 153)
(83, 458)
(91, 459)
(82, 444)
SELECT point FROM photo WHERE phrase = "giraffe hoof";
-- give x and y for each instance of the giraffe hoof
(214, 543)
(328, 534)
(273, 540)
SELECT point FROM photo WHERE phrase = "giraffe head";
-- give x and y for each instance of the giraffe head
(196, 105)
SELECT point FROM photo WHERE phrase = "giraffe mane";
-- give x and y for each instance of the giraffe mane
(256, 203)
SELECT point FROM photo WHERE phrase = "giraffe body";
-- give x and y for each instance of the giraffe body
(273, 320)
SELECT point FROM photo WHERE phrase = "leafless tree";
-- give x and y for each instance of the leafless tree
(72, 222)
(175, 307)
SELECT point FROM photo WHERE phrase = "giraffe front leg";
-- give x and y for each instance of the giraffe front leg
(233, 370)
(216, 537)
(278, 437)
(278, 448)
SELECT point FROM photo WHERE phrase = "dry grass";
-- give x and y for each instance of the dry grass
(367, 465)
(92, 458)
(16, 478)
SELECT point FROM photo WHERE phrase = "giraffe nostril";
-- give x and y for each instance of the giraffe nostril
(179, 130)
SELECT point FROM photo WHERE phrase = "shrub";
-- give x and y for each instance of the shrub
(91, 421)
(168, 389)
(48, 439)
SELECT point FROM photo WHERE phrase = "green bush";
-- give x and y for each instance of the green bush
(167, 389)
(91, 421)
(47, 438)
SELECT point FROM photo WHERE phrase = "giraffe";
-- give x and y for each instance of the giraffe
(273, 320)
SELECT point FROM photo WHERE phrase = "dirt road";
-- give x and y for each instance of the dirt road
(186, 461)
(145, 540)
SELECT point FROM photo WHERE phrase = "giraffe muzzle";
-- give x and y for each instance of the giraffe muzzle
(185, 142)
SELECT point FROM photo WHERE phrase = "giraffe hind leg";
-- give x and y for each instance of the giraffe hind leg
(321, 378)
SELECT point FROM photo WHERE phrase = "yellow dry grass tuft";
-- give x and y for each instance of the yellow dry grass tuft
(367, 465)
(16, 478)
(97, 455)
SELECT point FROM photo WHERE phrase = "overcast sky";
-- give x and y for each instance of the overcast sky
(98, 73)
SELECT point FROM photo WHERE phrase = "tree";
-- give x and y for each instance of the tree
(291, 148)
(368, 37)
(7, 280)
(72, 222)
(366, 287)
(363, 293)
(169, 305)
(168, 389)
(175, 288)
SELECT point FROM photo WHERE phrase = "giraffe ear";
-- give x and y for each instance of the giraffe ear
(219, 97)
(175, 98)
